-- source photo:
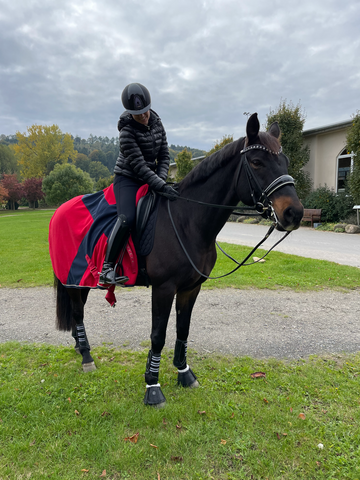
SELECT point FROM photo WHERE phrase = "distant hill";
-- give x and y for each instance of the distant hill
(174, 150)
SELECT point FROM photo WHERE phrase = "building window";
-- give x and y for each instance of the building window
(344, 167)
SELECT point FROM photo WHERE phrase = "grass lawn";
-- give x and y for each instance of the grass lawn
(57, 422)
(25, 261)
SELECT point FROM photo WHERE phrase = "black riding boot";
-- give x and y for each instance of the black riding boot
(116, 242)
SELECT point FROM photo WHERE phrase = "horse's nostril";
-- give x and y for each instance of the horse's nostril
(292, 216)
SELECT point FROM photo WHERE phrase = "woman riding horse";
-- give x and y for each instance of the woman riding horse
(143, 159)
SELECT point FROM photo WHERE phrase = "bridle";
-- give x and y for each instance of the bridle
(261, 204)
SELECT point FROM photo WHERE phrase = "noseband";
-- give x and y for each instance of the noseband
(260, 196)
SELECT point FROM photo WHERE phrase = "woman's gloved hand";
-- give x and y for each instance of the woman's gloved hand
(169, 192)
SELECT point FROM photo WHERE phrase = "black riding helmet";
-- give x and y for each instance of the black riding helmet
(136, 98)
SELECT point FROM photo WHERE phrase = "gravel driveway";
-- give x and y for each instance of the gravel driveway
(258, 323)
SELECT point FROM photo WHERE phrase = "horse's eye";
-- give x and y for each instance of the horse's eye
(256, 163)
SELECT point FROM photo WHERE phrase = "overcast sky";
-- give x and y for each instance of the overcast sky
(205, 62)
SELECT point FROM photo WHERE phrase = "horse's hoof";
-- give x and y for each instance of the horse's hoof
(77, 350)
(154, 396)
(188, 379)
(88, 367)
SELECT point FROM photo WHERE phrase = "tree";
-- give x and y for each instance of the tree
(98, 170)
(65, 182)
(33, 190)
(3, 194)
(219, 145)
(42, 149)
(8, 162)
(82, 161)
(353, 145)
(14, 189)
(184, 165)
(98, 156)
(291, 121)
(103, 183)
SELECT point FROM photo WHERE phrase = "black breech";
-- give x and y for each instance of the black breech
(125, 190)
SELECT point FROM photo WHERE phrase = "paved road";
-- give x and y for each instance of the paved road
(341, 248)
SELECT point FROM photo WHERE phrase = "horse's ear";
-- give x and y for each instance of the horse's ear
(252, 128)
(274, 130)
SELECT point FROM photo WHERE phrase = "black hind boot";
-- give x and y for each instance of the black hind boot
(117, 241)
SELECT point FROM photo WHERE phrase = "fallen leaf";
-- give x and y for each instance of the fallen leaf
(103, 474)
(266, 401)
(164, 421)
(159, 476)
(258, 375)
(278, 436)
(223, 442)
(285, 434)
(20, 280)
(177, 459)
(201, 412)
(259, 260)
(105, 414)
(133, 438)
(69, 399)
(178, 427)
(232, 415)
(302, 416)
(32, 443)
(84, 470)
(111, 359)
(291, 409)
(154, 446)
(77, 413)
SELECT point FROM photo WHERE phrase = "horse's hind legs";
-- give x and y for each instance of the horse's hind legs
(185, 302)
(78, 299)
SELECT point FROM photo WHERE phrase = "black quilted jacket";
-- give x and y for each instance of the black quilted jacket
(144, 152)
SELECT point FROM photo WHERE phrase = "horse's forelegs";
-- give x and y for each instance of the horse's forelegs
(78, 298)
(185, 302)
(161, 306)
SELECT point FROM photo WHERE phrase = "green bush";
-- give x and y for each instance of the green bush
(335, 206)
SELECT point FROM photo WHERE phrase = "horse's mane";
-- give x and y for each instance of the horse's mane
(218, 159)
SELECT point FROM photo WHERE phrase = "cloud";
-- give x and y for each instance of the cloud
(205, 63)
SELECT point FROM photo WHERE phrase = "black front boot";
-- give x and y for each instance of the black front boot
(116, 243)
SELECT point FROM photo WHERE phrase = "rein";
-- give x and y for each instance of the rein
(263, 207)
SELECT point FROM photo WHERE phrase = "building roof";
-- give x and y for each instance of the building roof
(327, 128)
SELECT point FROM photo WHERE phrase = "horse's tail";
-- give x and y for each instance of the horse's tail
(63, 307)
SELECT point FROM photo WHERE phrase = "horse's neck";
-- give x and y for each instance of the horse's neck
(218, 188)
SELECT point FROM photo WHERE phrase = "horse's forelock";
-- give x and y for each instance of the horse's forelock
(270, 142)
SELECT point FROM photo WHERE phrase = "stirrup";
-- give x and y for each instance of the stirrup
(108, 276)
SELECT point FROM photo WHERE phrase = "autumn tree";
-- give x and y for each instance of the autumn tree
(41, 149)
(3, 194)
(291, 120)
(14, 189)
(33, 190)
(65, 182)
(353, 145)
(184, 165)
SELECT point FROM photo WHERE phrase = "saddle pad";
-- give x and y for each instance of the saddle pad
(78, 234)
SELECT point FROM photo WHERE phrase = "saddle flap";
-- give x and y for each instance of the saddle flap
(144, 208)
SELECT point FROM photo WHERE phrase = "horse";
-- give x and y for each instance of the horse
(252, 170)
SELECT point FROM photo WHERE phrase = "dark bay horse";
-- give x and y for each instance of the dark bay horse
(252, 170)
